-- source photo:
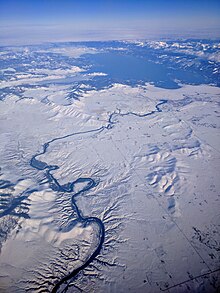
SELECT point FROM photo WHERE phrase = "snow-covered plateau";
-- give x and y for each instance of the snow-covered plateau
(110, 164)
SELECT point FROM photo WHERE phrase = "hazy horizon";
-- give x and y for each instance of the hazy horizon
(26, 22)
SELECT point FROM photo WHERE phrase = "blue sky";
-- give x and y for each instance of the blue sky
(42, 20)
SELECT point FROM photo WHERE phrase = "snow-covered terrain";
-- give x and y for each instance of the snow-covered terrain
(109, 171)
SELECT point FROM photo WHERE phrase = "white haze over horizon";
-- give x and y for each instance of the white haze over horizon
(28, 34)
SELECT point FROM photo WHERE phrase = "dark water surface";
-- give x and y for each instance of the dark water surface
(131, 69)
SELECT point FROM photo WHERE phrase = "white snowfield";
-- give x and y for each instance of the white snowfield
(37, 75)
(74, 52)
(154, 154)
